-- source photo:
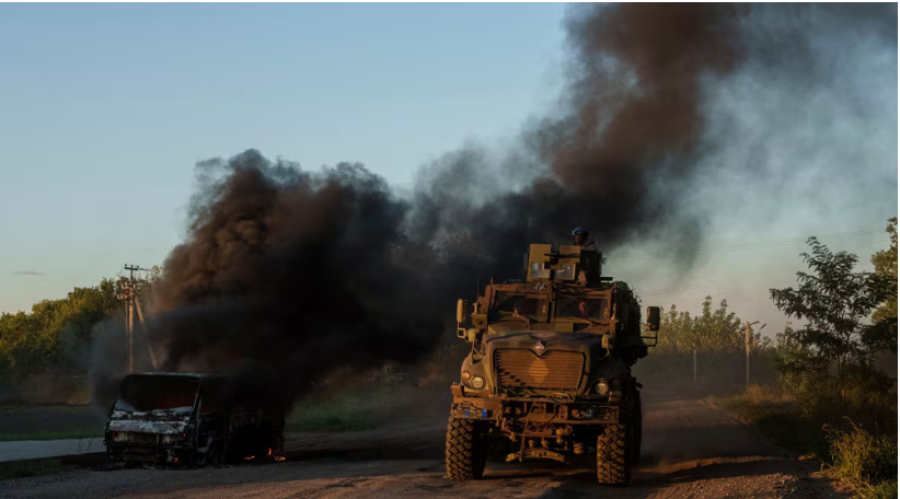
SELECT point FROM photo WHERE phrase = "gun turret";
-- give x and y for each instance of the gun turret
(570, 263)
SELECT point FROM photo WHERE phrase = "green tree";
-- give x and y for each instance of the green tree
(836, 343)
(885, 262)
(56, 336)
(712, 330)
(719, 330)
(676, 332)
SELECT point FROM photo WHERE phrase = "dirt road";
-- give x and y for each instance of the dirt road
(692, 450)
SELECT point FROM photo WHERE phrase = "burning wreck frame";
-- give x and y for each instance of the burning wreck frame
(150, 423)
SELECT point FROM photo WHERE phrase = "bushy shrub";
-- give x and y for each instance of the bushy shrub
(864, 459)
(763, 395)
(884, 490)
(866, 400)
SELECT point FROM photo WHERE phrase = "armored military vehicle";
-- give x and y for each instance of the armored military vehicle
(189, 418)
(549, 373)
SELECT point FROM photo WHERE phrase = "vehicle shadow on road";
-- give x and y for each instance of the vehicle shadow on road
(705, 470)
(648, 481)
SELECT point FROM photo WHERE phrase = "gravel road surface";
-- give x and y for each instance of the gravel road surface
(692, 450)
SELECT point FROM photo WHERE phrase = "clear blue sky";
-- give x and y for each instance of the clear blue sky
(106, 108)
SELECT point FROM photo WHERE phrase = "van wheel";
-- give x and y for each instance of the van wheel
(213, 455)
(466, 453)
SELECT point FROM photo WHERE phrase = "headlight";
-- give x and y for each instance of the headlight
(466, 375)
(477, 382)
(168, 439)
(601, 388)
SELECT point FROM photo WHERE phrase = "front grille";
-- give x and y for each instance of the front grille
(555, 370)
(135, 437)
(143, 438)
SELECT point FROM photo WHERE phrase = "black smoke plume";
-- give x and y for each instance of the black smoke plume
(614, 159)
(287, 274)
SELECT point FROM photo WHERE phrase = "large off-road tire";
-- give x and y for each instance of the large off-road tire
(466, 452)
(637, 429)
(614, 455)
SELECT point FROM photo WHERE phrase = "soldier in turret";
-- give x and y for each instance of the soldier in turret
(584, 310)
(580, 237)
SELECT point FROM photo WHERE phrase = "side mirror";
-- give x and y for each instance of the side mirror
(653, 318)
(461, 311)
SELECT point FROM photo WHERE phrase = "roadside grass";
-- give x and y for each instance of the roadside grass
(53, 435)
(12, 409)
(361, 409)
(865, 460)
(34, 467)
(50, 465)
(340, 414)
(778, 416)
(884, 490)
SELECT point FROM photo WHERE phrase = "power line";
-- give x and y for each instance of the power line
(718, 250)
(680, 288)
(745, 246)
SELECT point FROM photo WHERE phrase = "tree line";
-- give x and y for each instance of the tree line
(848, 321)
(56, 336)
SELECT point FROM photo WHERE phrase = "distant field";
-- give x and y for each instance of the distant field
(50, 422)
(353, 410)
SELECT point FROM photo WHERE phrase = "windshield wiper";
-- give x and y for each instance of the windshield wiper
(579, 319)
(517, 315)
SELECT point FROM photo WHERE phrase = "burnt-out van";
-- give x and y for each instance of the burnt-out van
(189, 418)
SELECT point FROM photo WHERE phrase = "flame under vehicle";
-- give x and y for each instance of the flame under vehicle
(187, 418)
(549, 373)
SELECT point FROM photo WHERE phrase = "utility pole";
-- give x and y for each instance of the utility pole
(137, 304)
(130, 298)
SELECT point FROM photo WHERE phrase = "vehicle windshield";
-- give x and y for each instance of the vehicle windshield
(149, 393)
(581, 307)
(533, 307)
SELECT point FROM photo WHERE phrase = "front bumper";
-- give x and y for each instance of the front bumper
(536, 410)
(149, 447)
(148, 453)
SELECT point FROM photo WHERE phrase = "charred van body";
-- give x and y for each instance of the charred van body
(188, 418)
(549, 374)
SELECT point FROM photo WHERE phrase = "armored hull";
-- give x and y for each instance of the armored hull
(549, 374)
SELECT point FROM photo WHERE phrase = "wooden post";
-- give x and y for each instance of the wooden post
(695, 366)
(128, 296)
(747, 349)
(137, 304)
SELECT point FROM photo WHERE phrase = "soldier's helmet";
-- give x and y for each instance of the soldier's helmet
(580, 235)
